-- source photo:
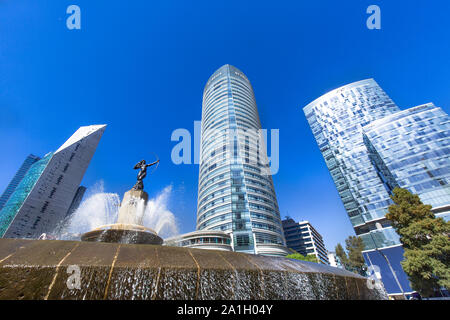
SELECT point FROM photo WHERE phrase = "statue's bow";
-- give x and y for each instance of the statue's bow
(157, 163)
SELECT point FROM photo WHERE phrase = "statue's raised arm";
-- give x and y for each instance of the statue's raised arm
(150, 164)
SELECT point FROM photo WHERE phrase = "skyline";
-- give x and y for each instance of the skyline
(31, 119)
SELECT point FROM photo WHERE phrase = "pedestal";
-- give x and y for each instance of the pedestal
(132, 208)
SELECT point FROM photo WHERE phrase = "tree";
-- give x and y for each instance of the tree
(425, 240)
(298, 256)
(355, 247)
(352, 260)
(341, 254)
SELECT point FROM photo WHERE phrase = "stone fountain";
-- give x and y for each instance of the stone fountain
(126, 261)
(129, 227)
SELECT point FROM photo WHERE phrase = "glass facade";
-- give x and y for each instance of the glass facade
(236, 193)
(336, 120)
(17, 199)
(413, 148)
(395, 256)
(17, 178)
(371, 147)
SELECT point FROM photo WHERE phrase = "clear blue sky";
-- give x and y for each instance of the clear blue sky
(140, 67)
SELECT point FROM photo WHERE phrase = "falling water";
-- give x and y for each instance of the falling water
(101, 208)
(158, 217)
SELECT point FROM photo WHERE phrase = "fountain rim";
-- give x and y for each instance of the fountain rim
(124, 226)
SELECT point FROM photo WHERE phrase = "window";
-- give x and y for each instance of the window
(44, 207)
(52, 193)
(242, 240)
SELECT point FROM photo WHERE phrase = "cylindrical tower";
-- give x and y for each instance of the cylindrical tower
(235, 191)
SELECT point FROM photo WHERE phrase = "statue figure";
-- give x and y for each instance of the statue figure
(142, 173)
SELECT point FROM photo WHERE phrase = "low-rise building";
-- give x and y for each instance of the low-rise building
(304, 239)
(202, 239)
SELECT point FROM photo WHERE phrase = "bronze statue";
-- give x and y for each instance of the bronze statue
(142, 173)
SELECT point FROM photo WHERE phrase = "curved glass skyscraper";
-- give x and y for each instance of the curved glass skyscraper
(412, 148)
(235, 192)
(337, 120)
(371, 147)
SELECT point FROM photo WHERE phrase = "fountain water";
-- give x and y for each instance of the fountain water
(158, 217)
(102, 208)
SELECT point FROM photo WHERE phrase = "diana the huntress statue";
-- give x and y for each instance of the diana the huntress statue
(142, 173)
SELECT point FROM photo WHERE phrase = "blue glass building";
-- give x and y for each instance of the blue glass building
(236, 193)
(370, 147)
(411, 149)
(337, 119)
(13, 205)
(17, 178)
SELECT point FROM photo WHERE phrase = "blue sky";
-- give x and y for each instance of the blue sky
(140, 67)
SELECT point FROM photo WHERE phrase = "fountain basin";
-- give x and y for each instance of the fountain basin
(123, 233)
(41, 269)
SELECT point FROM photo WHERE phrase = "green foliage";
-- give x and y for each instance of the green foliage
(355, 247)
(353, 259)
(425, 239)
(298, 256)
(341, 254)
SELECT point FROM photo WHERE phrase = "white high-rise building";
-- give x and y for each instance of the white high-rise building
(303, 238)
(45, 194)
(236, 193)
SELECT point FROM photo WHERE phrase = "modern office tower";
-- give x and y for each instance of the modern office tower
(17, 178)
(337, 120)
(411, 149)
(303, 238)
(44, 195)
(236, 193)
